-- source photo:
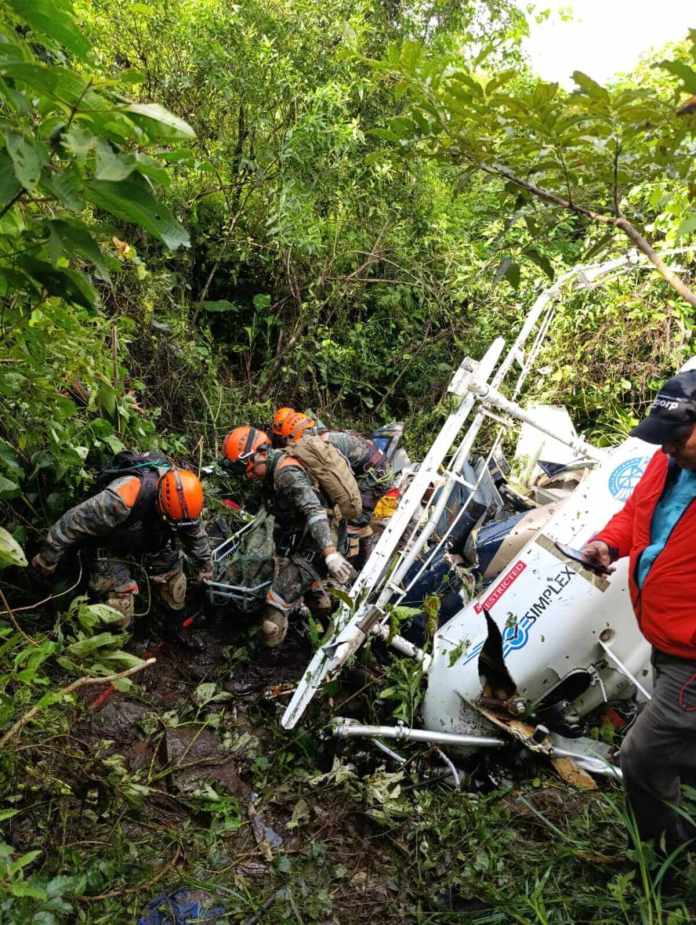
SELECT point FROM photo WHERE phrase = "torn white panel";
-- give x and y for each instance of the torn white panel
(533, 445)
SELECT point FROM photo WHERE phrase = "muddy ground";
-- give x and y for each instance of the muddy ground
(188, 780)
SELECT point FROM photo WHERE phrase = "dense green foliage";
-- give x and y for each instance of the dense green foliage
(209, 207)
(350, 225)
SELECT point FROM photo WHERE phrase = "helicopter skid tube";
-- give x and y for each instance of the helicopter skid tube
(348, 729)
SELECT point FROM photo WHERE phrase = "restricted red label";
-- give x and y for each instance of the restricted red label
(501, 587)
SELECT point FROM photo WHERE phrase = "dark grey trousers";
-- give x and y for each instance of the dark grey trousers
(659, 753)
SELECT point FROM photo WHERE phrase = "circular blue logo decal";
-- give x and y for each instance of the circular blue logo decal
(626, 476)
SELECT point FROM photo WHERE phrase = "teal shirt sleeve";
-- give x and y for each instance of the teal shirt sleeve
(675, 500)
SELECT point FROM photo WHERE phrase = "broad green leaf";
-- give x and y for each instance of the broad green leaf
(150, 167)
(56, 82)
(24, 888)
(11, 553)
(78, 140)
(27, 159)
(9, 51)
(7, 814)
(114, 444)
(204, 692)
(133, 202)
(9, 184)
(686, 74)
(92, 644)
(22, 861)
(688, 225)
(512, 274)
(100, 613)
(131, 76)
(590, 86)
(541, 260)
(9, 458)
(181, 155)
(53, 19)
(106, 398)
(69, 285)
(75, 237)
(262, 301)
(67, 187)
(8, 488)
(110, 165)
(219, 305)
(16, 100)
(120, 660)
(155, 118)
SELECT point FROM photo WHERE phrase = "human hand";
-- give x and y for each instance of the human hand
(339, 568)
(597, 552)
(205, 573)
(41, 567)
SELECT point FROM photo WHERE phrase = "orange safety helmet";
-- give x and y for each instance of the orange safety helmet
(295, 425)
(242, 442)
(278, 420)
(180, 495)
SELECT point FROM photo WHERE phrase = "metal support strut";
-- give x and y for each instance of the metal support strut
(346, 728)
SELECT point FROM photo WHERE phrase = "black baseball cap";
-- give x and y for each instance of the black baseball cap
(672, 412)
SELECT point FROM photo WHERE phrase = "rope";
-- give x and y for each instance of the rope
(46, 600)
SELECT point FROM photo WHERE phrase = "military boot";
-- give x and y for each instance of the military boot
(123, 600)
(274, 626)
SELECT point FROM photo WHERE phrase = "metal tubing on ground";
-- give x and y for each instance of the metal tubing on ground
(406, 733)
(403, 646)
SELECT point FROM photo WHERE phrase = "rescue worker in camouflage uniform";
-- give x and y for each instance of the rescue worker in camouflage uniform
(284, 421)
(367, 462)
(149, 513)
(306, 537)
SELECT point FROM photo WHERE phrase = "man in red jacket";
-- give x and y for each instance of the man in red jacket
(657, 529)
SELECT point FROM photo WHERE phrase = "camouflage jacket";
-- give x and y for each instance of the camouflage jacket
(296, 503)
(122, 521)
(364, 458)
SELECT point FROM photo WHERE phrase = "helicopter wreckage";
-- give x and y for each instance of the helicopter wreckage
(545, 638)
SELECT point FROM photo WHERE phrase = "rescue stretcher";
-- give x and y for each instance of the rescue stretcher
(243, 598)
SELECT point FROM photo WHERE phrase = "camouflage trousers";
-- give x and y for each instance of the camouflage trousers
(297, 578)
(111, 579)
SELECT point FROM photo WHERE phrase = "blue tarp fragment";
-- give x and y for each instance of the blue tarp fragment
(182, 907)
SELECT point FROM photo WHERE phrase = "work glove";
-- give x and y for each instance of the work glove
(339, 568)
(42, 568)
(597, 551)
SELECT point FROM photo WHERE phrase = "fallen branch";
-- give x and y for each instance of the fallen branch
(76, 685)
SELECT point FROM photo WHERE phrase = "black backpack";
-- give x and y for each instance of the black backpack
(145, 466)
(128, 463)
